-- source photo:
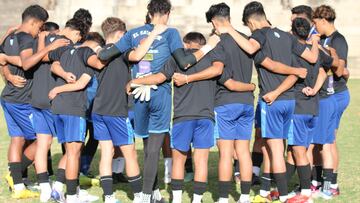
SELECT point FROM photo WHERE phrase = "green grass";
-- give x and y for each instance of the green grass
(349, 173)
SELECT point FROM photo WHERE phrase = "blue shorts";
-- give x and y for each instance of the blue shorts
(342, 100)
(258, 115)
(234, 121)
(19, 120)
(43, 122)
(198, 132)
(276, 118)
(115, 128)
(153, 116)
(302, 130)
(325, 127)
(70, 128)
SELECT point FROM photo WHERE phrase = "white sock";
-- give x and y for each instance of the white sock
(115, 165)
(197, 198)
(315, 183)
(306, 192)
(45, 187)
(334, 186)
(223, 200)
(20, 186)
(58, 186)
(264, 193)
(244, 197)
(168, 166)
(256, 170)
(177, 196)
(145, 198)
(156, 195)
(283, 198)
(71, 198)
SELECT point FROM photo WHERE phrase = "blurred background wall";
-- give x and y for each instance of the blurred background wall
(189, 15)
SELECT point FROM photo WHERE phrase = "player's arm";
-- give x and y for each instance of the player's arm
(289, 82)
(8, 32)
(15, 60)
(153, 79)
(213, 71)
(95, 62)
(80, 84)
(311, 91)
(237, 86)
(251, 45)
(60, 72)
(310, 55)
(16, 80)
(281, 68)
(29, 59)
(341, 47)
(124, 44)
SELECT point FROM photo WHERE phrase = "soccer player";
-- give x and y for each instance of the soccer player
(110, 116)
(275, 121)
(16, 102)
(51, 27)
(305, 115)
(152, 118)
(234, 111)
(302, 11)
(324, 18)
(69, 103)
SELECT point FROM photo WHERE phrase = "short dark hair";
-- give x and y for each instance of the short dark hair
(251, 9)
(300, 27)
(218, 10)
(96, 37)
(76, 24)
(325, 12)
(147, 18)
(159, 7)
(50, 26)
(111, 25)
(35, 11)
(303, 9)
(195, 37)
(85, 16)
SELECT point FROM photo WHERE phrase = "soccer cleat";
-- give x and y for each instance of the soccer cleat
(300, 199)
(110, 199)
(57, 196)
(325, 194)
(335, 192)
(84, 196)
(189, 177)
(9, 181)
(261, 199)
(86, 181)
(24, 194)
(45, 196)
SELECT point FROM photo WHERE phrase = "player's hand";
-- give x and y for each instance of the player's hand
(159, 28)
(270, 97)
(70, 77)
(3, 61)
(315, 38)
(308, 91)
(180, 79)
(301, 72)
(213, 41)
(17, 81)
(12, 29)
(332, 51)
(346, 73)
(43, 34)
(53, 93)
(58, 43)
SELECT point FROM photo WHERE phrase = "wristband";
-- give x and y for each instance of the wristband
(186, 79)
(206, 48)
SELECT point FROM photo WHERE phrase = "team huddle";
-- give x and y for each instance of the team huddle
(180, 95)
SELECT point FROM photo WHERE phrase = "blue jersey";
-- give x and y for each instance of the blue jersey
(159, 52)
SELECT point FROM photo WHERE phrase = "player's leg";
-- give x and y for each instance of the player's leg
(225, 171)
(242, 148)
(105, 169)
(256, 154)
(89, 150)
(118, 166)
(166, 149)
(189, 171)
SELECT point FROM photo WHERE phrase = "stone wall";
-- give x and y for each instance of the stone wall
(189, 15)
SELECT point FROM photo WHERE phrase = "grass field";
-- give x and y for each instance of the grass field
(349, 174)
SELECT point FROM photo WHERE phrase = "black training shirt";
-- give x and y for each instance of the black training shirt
(238, 67)
(13, 45)
(72, 60)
